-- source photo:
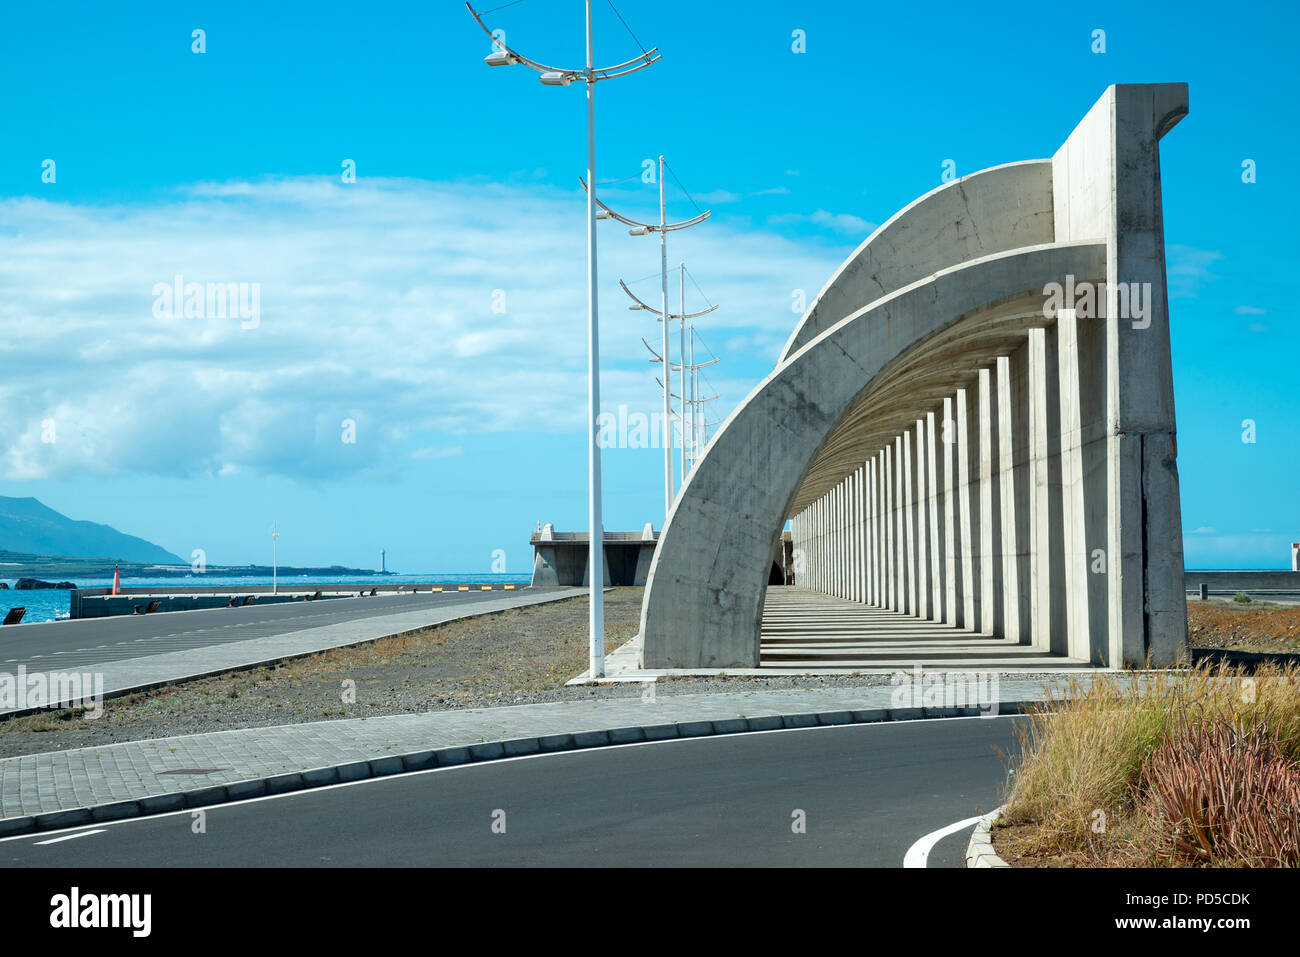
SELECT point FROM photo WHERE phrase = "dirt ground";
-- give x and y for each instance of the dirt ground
(1245, 626)
(521, 656)
(518, 656)
(1011, 844)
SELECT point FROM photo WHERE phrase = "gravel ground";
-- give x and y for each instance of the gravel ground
(521, 656)
(517, 656)
(1245, 626)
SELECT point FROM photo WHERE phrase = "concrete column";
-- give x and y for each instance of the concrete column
(969, 506)
(851, 536)
(873, 515)
(845, 550)
(1106, 182)
(796, 542)
(865, 531)
(878, 529)
(1013, 461)
(816, 559)
(906, 529)
(810, 555)
(897, 541)
(814, 539)
(991, 568)
(1081, 360)
(846, 543)
(872, 558)
(859, 528)
(892, 565)
(830, 542)
(801, 570)
(835, 555)
(821, 544)
(1047, 544)
(919, 524)
(810, 558)
(824, 545)
(841, 536)
(846, 547)
(933, 498)
(952, 596)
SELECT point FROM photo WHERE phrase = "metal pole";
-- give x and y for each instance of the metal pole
(668, 409)
(595, 557)
(695, 374)
(682, 378)
(274, 560)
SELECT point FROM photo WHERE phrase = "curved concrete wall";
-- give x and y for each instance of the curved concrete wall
(988, 212)
(944, 443)
(704, 598)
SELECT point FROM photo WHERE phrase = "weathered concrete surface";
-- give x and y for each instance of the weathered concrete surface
(560, 558)
(991, 211)
(704, 598)
(1049, 515)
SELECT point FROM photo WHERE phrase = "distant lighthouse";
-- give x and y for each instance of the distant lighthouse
(383, 561)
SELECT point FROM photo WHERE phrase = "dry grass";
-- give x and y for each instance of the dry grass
(1085, 782)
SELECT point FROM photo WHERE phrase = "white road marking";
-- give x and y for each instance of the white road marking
(919, 853)
(70, 837)
(541, 755)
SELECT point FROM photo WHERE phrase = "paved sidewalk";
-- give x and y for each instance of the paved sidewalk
(59, 789)
(137, 674)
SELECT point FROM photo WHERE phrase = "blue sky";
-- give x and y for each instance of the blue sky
(377, 297)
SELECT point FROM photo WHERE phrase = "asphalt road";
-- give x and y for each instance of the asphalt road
(89, 641)
(867, 792)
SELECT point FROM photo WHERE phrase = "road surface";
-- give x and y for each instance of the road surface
(865, 793)
(84, 642)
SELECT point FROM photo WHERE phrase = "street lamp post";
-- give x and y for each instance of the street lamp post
(503, 55)
(668, 411)
(663, 229)
(274, 559)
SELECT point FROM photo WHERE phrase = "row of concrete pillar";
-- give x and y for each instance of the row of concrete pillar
(989, 513)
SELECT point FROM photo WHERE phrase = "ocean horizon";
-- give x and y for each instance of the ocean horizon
(52, 604)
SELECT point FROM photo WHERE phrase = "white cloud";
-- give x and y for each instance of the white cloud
(844, 223)
(1188, 269)
(1249, 311)
(432, 453)
(718, 196)
(376, 306)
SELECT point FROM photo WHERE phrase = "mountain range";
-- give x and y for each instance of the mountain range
(28, 525)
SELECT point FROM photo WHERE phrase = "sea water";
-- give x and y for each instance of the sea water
(52, 604)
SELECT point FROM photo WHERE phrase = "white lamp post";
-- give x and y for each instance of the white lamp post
(503, 55)
(663, 229)
(274, 560)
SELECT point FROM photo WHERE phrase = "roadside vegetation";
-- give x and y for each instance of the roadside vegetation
(1193, 769)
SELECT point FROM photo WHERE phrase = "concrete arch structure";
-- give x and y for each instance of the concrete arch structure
(945, 443)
